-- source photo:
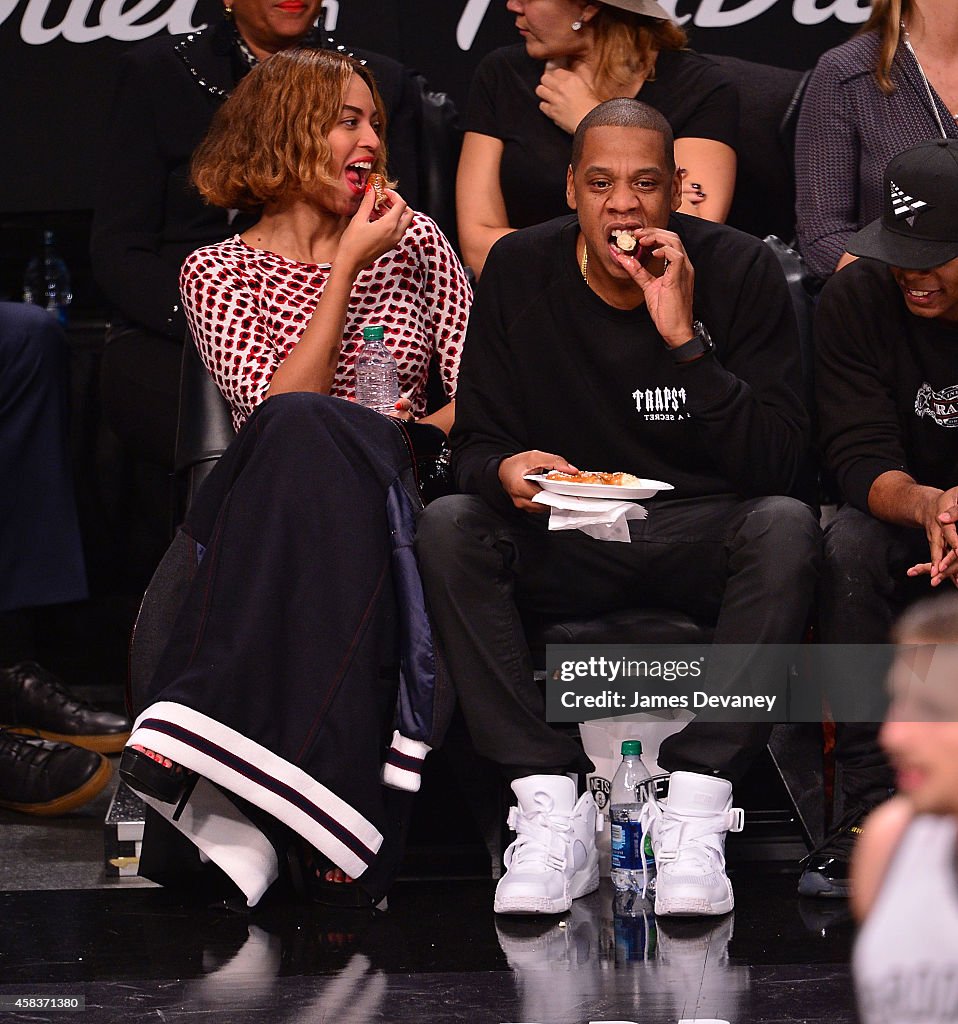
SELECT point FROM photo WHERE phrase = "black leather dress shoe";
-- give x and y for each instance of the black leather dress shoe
(35, 701)
(827, 867)
(39, 777)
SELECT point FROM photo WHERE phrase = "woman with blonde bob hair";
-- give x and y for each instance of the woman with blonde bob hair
(300, 137)
(893, 85)
(527, 99)
(298, 689)
(272, 141)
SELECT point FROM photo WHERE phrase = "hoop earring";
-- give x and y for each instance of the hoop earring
(228, 13)
(576, 25)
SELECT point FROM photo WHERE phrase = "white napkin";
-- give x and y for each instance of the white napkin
(602, 518)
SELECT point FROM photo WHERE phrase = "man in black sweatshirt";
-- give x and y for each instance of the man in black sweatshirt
(569, 338)
(886, 335)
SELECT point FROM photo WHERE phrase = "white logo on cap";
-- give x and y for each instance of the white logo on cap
(904, 205)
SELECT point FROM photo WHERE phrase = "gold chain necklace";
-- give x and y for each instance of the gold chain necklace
(584, 264)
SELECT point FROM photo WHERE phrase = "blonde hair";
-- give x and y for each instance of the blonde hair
(885, 19)
(268, 141)
(626, 43)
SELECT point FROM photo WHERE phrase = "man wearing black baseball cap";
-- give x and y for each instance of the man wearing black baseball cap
(887, 385)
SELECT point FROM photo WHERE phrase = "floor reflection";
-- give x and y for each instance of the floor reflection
(438, 955)
(612, 946)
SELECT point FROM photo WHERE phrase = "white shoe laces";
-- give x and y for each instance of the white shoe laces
(542, 837)
(695, 837)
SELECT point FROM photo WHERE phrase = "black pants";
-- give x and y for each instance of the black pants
(749, 566)
(863, 589)
(277, 619)
(41, 553)
(140, 387)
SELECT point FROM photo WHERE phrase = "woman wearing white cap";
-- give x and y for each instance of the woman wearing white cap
(526, 101)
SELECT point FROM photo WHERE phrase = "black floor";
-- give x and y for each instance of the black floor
(439, 954)
(135, 952)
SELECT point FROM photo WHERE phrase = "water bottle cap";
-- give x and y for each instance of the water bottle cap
(373, 334)
(631, 748)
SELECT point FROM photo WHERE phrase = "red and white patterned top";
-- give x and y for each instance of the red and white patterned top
(248, 307)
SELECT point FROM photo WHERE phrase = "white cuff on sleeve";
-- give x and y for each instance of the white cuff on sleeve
(403, 766)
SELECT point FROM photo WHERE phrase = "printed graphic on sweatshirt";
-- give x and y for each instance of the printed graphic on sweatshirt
(657, 404)
(941, 406)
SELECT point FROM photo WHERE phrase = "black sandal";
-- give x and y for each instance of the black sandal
(151, 778)
(307, 869)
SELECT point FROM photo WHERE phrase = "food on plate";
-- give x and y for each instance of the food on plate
(596, 477)
(378, 183)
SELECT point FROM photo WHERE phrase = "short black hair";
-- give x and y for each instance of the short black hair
(625, 113)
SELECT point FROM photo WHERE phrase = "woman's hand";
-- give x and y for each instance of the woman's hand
(403, 410)
(692, 194)
(371, 233)
(566, 97)
(708, 177)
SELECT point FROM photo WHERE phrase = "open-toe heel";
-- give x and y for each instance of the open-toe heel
(151, 778)
(307, 868)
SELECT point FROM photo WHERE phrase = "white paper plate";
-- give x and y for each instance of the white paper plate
(644, 488)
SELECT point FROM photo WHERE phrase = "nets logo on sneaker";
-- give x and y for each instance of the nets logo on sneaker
(905, 206)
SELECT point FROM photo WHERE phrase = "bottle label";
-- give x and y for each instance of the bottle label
(626, 846)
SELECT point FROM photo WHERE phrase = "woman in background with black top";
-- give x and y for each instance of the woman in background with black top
(527, 99)
(148, 217)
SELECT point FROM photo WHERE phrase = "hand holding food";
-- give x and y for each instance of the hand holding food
(368, 236)
(514, 470)
(378, 184)
(626, 242)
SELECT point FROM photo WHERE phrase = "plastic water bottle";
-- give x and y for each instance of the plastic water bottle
(634, 928)
(630, 788)
(46, 281)
(377, 378)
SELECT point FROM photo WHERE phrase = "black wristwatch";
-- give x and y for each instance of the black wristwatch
(698, 345)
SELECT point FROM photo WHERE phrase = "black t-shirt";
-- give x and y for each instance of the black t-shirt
(887, 384)
(548, 365)
(691, 91)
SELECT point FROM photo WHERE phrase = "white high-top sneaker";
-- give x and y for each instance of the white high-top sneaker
(688, 840)
(553, 859)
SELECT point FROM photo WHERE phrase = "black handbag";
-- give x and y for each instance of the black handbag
(430, 456)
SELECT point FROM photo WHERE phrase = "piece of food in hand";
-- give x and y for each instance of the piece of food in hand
(378, 183)
(595, 477)
(625, 241)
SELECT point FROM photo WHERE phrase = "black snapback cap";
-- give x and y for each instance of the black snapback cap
(918, 228)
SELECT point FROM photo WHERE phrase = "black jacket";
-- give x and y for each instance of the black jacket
(147, 218)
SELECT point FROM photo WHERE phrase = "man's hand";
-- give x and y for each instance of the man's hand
(566, 98)
(669, 297)
(941, 528)
(516, 467)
